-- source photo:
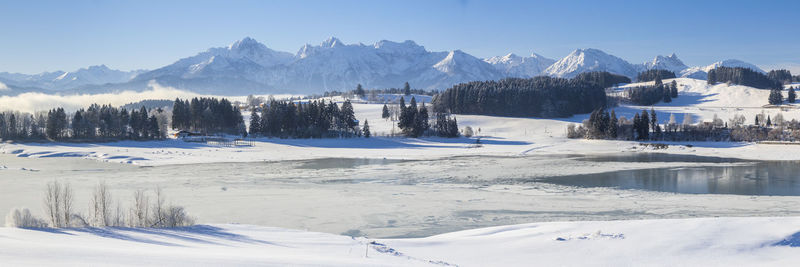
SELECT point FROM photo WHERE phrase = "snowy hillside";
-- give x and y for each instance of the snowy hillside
(684, 242)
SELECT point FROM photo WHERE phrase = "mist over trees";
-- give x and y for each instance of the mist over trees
(537, 97)
(742, 76)
(652, 75)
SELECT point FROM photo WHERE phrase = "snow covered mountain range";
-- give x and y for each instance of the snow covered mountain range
(250, 67)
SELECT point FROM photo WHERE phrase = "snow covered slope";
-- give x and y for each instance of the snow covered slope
(587, 60)
(681, 242)
(512, 65)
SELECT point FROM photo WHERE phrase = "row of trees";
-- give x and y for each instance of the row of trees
(60, 212)
(538, 96)
(208, 116)
(315, 119)
(743, 76)
(93, 123)
(603, 78)
(782, 76)
(644, 126)
(651, 75)
(649, 95)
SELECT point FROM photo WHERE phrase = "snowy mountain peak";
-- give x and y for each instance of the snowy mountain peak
(513, 65)
(246, 43)
(590, 59)
(670, 63)
(331, 42)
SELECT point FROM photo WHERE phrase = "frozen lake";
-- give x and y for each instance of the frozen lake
(411, 198)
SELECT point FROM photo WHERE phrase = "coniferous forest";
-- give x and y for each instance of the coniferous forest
(742, 76)
(651, 75)
(315, 119)
(207, 116)
(603, 78)
(95, 123)
(538, 97)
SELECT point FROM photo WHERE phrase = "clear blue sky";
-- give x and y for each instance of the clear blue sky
(65, 35)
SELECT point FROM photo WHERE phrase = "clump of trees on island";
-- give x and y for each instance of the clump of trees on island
(95, 123)
(645, 126)
(652, 75)
(535, 97)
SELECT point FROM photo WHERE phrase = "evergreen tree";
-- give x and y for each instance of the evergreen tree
(367, 134)
(637, 126)
(255, 122)
(406, 89)
(769, 121)
(360, 91)
(667, 97)
(792, 96)
(645, 127)
(385, 114)
(653, 120)
(775, 97)
(658, 81)
(612, 125)
(673, 89)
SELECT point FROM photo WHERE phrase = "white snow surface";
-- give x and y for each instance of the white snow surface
(673, 242)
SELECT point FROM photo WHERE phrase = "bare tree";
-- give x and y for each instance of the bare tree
(139, 212)
(66, 204)
(52, 203)
(100, 205)
(159, 215)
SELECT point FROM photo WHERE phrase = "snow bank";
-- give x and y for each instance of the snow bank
(695, 242)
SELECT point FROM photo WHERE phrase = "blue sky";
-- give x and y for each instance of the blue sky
(65, 35)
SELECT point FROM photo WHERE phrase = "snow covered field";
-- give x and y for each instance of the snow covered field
(684, 242)
(499, 136)
(401, 187)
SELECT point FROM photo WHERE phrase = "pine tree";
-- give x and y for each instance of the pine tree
(667, 97)
(645, 127)
(367, 134)
(673, 89)
(769, 121)
(658, 81)
(612, 125)
(653, 120)
(406, 89)
(360, 91)
(637, 126)
(385, 114)
(792, 96)
(255, 122)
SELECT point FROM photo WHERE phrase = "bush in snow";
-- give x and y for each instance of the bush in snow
(468, 132)
(22, 218)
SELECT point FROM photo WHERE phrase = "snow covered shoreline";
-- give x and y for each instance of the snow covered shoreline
(665, 242)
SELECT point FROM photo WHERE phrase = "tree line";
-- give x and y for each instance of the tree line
(90, 124)
(538, 97)
(651, 75)
(743, 76)
(603, 78)
(645, 126)
(207, 116)
(313, 119)
(649, 95)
